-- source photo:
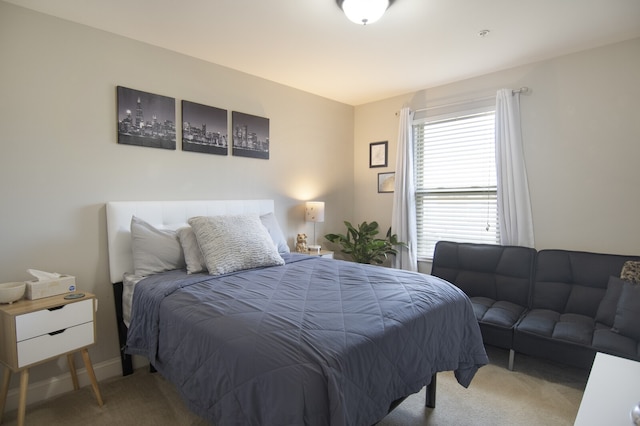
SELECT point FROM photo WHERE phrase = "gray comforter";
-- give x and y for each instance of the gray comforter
(317, 341)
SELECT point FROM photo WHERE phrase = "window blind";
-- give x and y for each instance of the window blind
(456, 181)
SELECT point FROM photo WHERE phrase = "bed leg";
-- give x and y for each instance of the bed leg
(127, 363)
(430, 398)
(125, 359)
(512, 355)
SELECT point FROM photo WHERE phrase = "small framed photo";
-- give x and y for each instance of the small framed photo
(378, 154)
(386, 182)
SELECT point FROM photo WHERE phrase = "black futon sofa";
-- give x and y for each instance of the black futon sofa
(555, 304)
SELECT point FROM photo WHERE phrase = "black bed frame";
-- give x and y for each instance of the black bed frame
(127, 360)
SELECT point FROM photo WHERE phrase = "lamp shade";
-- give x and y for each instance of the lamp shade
(314, 211)
(364, 12)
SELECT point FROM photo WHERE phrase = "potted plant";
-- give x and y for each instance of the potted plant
(363, 245)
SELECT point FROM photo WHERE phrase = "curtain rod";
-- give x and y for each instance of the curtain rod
(486, 98)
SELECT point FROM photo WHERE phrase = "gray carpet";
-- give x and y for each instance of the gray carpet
(537, 392)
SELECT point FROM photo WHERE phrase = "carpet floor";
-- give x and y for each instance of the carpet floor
(537, 392)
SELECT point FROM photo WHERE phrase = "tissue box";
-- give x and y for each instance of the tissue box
(52, 287)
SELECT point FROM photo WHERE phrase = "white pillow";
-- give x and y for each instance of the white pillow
(233, 243)
(270, 222)
(154, 250)
(192, 253)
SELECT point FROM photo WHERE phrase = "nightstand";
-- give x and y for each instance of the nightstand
(35, 331)
(323, 253)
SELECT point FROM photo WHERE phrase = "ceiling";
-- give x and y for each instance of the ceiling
(310, 45)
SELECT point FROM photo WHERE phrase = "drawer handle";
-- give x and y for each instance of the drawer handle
(55, 308)
(53, 333)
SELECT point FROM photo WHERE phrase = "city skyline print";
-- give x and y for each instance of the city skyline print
(204, 129)
(146, 119)
(250, 135)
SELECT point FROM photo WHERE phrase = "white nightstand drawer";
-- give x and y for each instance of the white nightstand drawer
(46, 321)
(48, 346)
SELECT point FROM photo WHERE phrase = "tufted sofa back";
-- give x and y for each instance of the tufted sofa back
(572, 281)
(486, 270)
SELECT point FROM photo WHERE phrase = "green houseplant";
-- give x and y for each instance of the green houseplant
(363, 245)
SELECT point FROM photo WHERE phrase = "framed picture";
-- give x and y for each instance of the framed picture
(378, 154)
(386, 182)
(146, 119)
(204, 128)
(250, 135)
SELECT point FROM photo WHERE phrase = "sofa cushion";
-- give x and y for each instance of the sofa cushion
(539, 321)
(607, 310)
(574, 328)
(500, 313)
(481, 305)
(627, 320)
(503, 313)
(608, 341)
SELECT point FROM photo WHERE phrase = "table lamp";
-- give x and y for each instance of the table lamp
(314, 212)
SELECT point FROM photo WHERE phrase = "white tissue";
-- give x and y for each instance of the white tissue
(42, 276)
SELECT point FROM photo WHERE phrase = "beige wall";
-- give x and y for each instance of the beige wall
(60, 161)
(581, 130)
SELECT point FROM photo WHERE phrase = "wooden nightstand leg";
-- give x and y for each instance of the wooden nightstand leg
(22, 404)
(92, 375)
(72, 370)
(6, 378)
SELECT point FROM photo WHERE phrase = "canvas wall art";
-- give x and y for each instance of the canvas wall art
(204, 129)
(146, 119)
(250, 135)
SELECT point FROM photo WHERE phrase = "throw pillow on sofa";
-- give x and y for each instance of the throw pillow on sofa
(609, 305)
(627, 322)
(631, 271)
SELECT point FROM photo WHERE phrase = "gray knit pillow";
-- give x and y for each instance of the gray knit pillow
(233, 243)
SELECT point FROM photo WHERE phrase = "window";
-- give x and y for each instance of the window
(456, 179)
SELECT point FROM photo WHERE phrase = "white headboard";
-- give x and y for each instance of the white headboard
(163, 215)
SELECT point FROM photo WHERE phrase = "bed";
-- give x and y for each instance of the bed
(262, 336)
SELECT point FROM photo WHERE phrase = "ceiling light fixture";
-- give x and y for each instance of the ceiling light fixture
(364, 12)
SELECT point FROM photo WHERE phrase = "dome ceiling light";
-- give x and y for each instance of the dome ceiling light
(364, 12)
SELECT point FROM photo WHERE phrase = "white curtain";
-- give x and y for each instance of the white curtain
(403, 219)
(514, 204)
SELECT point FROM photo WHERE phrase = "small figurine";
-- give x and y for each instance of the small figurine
(301, 243)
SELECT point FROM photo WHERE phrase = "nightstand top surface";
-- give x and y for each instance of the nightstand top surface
(24, 305)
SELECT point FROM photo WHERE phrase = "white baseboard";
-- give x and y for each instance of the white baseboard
(58, 385)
